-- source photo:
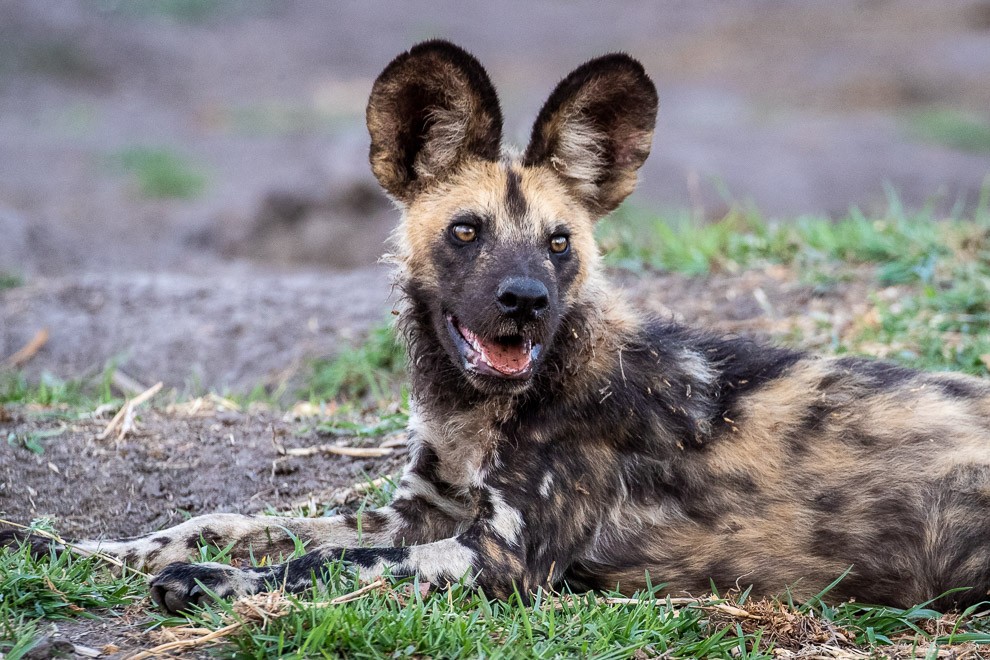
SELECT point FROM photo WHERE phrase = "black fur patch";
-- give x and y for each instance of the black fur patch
(882, 375)
(351, 520)
(427, 467)
(808, 429)
(515, 202)
(207, 536)
(957, 389)
(368, 557)
(743, 367)
(829, 501)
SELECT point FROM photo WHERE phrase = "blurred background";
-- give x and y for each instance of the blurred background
(183, 181)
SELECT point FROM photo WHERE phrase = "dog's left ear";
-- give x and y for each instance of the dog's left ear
(596, 129)
(430, 110)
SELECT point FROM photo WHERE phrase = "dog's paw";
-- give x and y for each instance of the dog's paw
(40, 546)
(180, 586)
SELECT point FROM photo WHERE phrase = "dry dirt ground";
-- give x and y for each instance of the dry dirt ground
(174, 465)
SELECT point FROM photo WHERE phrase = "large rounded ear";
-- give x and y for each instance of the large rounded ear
(429, 110)
(596, 129)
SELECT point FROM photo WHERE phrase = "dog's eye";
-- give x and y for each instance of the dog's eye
(464, 233)
(559, 244)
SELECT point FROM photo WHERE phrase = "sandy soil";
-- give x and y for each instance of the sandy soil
(233, 328)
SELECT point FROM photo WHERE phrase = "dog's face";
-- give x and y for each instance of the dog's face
(500, 248)
(503, 251)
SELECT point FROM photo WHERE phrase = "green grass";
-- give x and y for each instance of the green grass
(953, 129)
(941, 268)
(371, 370)
(400, 620)
(899, 243)
(374, 426)
(57, 399)
(161, 173)
(10, 280)
(51, 391)
(48, 391)
(397, 622)
(52, 588)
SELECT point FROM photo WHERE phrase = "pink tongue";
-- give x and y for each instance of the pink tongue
(507, 359)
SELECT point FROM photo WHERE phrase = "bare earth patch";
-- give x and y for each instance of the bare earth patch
(175, 465)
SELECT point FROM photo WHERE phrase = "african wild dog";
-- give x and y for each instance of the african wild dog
(559, 436)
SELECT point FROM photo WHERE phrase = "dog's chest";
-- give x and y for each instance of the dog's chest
(462, 444)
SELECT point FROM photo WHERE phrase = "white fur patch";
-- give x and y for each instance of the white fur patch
(506, 521)
(696, 367)
(447, 558)
(546, 484)
(579, 154)
(413, 485)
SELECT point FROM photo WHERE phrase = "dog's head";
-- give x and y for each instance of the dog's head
(499, 247)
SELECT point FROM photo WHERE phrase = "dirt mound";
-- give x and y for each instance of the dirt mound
(233, 328)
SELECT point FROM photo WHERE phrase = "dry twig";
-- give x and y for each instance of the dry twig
(340, 495)
(203, 406)
(123, 422)
(355, 452)
(125, 384)
(28, 351)
(75, 548)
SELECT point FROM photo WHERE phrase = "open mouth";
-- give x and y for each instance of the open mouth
(503, 357)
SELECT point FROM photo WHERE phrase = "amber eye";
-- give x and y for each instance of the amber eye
(464, 233)
(559, 244)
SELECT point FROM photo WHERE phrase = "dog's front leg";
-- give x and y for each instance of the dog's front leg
(488, 554)
(419, 514)
(180, 585)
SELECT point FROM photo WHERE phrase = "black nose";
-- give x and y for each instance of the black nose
(522, 298)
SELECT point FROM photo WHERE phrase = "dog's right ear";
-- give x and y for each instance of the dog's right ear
(596, 129)
(430, 109)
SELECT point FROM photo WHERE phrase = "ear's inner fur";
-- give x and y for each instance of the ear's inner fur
(429, 110)
(596, 129)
